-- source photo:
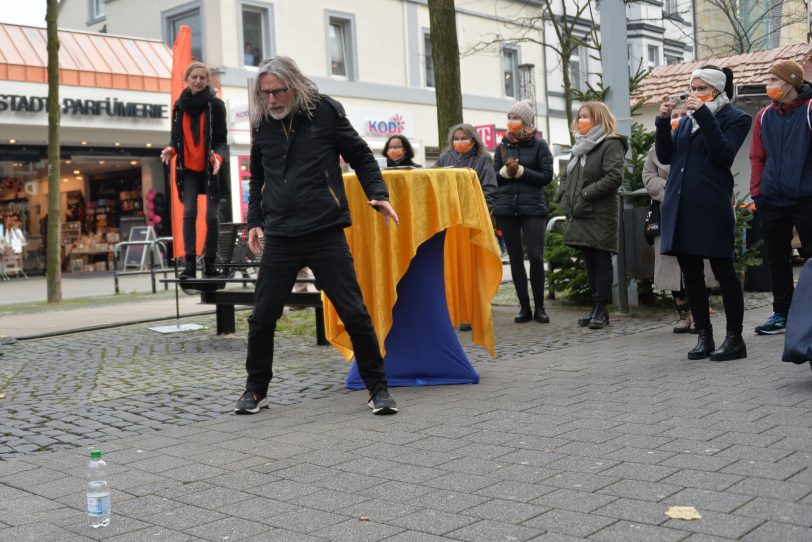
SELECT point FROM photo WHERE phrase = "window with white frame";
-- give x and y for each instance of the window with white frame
(428, 60)
(191, 19)
(576, 80)
(670, 7)
(510, 72)
(96, 9)
(340, 41)
(653, 56)
(256, 28)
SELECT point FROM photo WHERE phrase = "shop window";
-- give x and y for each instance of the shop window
(429, 61)
(256, 34)
(510, 72)
(341, 46)
(190, 18)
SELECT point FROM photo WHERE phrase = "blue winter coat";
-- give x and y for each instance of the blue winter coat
(697, 210)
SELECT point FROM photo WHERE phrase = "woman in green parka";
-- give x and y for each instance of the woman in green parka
(589, 199)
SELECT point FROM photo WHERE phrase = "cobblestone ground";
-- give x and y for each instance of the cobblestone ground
(77, 390)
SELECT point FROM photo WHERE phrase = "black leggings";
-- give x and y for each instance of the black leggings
(194, 183)
(693, 269)
(533, 228)
(599, 273)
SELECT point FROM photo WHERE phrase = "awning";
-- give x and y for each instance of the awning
(85, 59)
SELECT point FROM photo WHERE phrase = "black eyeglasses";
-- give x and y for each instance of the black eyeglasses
(277, 92)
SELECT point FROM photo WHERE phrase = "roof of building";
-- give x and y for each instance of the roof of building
(748, 68)
(85, 59)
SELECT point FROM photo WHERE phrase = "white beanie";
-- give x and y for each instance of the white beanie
(715, 78)
(524, 110)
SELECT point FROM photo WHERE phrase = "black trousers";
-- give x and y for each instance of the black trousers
(599, 273)
(328, 256)
(693, 270)
(194, 184)
(533, 228)
(776, 224)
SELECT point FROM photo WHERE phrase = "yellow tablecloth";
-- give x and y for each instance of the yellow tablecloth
(427, 202)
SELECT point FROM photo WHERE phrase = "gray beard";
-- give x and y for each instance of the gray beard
(279, 116)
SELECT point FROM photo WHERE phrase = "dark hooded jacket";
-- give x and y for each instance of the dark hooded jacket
(296, 185)
(588, 195)
(523, 196)
(780, 153)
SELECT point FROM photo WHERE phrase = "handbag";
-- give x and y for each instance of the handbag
(651, 226)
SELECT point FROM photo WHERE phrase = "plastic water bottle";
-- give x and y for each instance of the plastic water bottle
(98, 494)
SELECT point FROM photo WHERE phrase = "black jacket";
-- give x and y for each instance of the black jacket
(296, 186)
(523, 196)
(215, 139)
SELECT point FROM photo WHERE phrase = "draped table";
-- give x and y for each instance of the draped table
(439, 267)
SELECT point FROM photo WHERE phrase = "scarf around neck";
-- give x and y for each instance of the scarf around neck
(522, 137)
(193, 105)
(714, 106)
(584, 144)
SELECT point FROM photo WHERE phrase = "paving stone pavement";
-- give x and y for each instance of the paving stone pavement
(572, 434)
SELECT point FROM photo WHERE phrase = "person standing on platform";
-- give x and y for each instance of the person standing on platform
(199, 140)
(298, 210)
(781, 181)
(524, 166)
(589, 199)
(698, 221)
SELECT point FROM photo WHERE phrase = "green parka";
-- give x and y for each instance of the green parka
(589, 198)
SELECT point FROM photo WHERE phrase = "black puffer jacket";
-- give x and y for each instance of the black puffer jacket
(523, 196)
(215, 139)
(296, 186)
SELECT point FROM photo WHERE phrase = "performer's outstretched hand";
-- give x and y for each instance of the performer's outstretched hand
(386, 210)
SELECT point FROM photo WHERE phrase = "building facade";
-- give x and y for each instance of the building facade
(757, 25)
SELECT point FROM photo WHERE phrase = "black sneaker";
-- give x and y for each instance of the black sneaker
(250, 402)
(382, 403)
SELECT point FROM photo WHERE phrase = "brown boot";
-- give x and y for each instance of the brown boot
(683, 324)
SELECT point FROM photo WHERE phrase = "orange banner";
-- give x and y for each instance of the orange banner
(181, 58)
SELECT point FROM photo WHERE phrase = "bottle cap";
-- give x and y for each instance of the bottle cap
(95, 454)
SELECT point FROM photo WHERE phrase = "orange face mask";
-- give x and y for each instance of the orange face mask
(776, 94)
(584, 126)
(514, 126)
(463, 146)
(704, 97)
(395, 154)
(674, 124)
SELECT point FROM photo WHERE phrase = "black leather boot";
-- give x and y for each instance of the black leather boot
(583, 321)
(600, 318)
(190, 269)
(209, 271)
(541, 316)
(525, 314)
(704, 345)
(732, 348)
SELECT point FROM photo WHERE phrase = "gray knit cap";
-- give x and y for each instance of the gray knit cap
(524, 110)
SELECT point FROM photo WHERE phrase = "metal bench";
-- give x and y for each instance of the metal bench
(234, 256)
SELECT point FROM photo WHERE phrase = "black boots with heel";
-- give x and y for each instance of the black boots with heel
(190, 267)
(525, 314)
(600, 317)
(541, 316)
(704, 345)
(733, 347)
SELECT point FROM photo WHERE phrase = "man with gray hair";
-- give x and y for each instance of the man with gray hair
(298, 210)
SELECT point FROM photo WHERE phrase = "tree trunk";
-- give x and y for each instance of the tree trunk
(54, 260)
(445, 54)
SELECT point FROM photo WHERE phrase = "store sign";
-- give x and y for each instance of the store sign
(381, 124)
(487, 132)
(239, 117)
(110, 107)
